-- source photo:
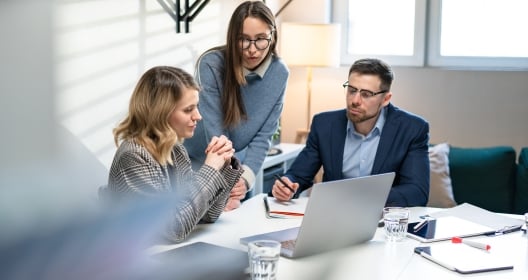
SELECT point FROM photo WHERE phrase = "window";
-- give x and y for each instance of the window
(460, 33)
(394, 33)
(478, 33)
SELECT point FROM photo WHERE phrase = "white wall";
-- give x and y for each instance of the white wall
(103, 46)
(40, 162)
(26, 82)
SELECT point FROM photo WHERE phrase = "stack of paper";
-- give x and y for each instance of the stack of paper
(482, 216)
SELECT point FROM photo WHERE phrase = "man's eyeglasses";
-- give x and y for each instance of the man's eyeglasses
(364, 93)
(260, 43)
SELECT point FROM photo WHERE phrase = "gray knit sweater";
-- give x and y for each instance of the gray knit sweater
(201, 195)
(263, 98)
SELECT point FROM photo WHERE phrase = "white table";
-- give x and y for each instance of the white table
(288, 155)
(375, 259)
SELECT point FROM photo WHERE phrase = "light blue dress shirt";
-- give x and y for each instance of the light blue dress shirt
(360, 150)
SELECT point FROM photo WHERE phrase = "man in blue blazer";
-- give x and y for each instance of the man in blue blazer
(370, 136)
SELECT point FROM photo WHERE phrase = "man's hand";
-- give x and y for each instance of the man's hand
(281, 192)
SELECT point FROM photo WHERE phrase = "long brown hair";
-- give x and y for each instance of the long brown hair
(152, 102)
(231, 99)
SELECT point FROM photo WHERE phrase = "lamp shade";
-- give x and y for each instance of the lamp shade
(309, 44)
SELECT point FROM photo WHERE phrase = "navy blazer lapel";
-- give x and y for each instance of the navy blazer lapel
(338, 133)
(387, 137)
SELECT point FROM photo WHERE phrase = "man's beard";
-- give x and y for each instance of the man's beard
(363, 117)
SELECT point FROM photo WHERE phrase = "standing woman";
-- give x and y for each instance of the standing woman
(242, 92)
(151, 161)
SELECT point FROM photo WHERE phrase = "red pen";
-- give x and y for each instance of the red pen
(474, 244)
(286, 213)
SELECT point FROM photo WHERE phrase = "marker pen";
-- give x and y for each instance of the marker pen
(474, 244)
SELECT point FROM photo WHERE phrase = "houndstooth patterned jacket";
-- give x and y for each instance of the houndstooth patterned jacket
(201, 195)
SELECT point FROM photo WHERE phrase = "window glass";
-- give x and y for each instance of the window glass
(393, 31)
(384, 27)
(489, 28)
(460, 33)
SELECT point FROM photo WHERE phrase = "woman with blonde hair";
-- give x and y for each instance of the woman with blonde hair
(151, 161)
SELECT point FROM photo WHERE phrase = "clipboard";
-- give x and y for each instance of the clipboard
(463, 259)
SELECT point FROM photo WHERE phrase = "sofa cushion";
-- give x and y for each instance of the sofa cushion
(484, 177)
(521, 191)
(441, 191)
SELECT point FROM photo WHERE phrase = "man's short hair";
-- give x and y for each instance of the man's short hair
(373, 66)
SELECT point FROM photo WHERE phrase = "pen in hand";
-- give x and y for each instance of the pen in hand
(284, 183)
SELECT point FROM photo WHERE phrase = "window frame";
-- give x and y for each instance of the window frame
(426, 43)
(435, 59)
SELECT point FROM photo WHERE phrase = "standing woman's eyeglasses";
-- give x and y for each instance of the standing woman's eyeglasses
(260, 43)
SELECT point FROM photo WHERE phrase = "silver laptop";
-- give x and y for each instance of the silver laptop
(338, 214)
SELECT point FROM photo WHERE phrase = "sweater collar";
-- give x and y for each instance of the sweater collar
(261, 70)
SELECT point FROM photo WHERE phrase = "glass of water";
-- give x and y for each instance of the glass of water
(396, 220)
(263, 259)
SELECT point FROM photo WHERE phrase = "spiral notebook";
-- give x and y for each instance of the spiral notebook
(285, 209)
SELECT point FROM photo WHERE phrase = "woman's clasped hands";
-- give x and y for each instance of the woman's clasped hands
(219, 152)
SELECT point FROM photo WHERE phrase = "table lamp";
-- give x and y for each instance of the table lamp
(310, 45)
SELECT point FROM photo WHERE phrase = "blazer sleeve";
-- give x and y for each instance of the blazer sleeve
(135, 173)
(411, 186)
(201, 195)
(309, 161)
(231, 174)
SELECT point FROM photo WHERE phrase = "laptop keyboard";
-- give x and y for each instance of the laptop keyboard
(288, 244)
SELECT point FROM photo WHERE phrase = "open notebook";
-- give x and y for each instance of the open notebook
(288, 209)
